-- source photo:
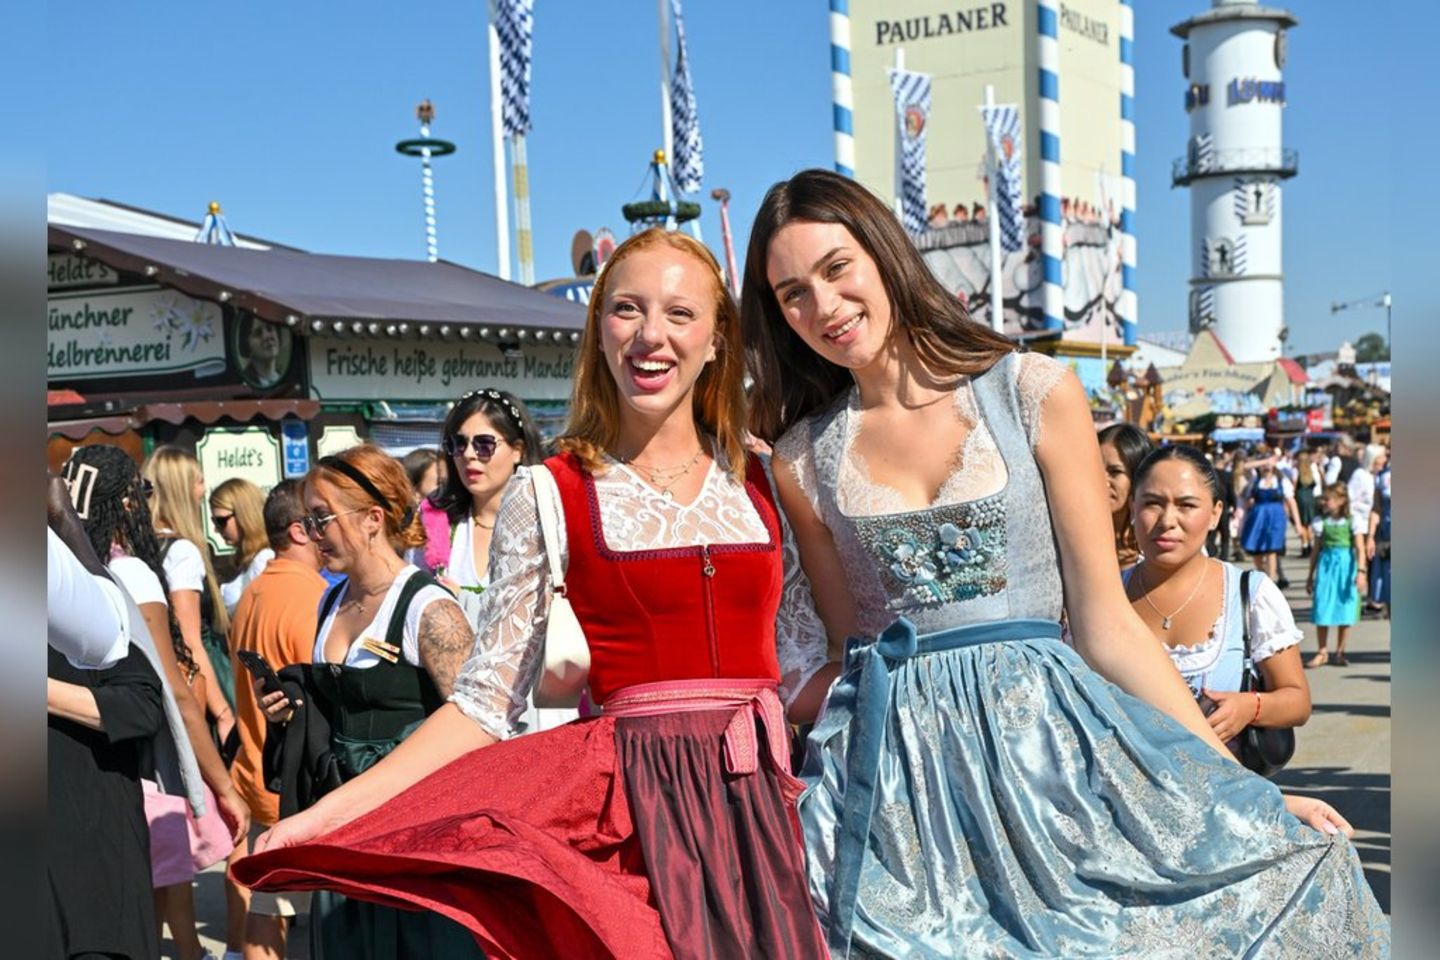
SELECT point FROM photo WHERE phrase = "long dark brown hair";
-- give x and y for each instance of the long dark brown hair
(791, 381)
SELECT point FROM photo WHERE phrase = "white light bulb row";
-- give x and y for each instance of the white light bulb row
(445, 331)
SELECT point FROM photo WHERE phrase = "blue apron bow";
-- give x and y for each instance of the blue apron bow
(860, 700)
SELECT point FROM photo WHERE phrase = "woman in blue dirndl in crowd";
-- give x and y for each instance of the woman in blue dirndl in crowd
(975, 786)
(1269, 504)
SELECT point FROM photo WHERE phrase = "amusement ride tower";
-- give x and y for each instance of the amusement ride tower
(1233, 165)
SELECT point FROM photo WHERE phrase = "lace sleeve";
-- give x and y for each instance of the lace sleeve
(1037, 376)
(492, 686)
(796, 450)
(1272, 624)
(800, 639)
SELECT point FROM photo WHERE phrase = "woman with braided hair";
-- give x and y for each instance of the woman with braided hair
(117, 522)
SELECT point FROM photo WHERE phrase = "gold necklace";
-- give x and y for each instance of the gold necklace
(1164, 620)
(663, 478)
(483, 526)
(362, 605)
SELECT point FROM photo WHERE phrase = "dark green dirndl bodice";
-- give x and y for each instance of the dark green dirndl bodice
(370, 710)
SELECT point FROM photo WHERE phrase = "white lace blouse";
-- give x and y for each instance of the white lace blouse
(492, 685)
(979, 469)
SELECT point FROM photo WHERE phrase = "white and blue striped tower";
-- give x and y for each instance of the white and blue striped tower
(1233, 165)
(1052, 232)
(842, 93)
(1128, 307)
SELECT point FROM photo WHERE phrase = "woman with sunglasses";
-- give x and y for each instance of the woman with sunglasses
(237, 512)
(487, 434)
(666, 826)
(389, 645)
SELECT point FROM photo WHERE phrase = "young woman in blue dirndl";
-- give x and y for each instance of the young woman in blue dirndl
(974, 786)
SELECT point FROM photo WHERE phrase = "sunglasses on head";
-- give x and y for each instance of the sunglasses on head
(484, 445)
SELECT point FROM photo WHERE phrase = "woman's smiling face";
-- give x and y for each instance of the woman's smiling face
(657, 328)
(830, 292)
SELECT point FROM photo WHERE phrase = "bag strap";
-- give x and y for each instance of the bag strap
(327, 603)
(547, 504)
(1246, 667)
(419, 580)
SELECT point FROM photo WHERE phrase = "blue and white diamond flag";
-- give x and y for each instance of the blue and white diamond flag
(688, 165)
(514, 23)
(1002, 127)
(912, 113)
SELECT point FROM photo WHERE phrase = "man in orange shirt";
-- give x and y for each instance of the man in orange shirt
(276, 618)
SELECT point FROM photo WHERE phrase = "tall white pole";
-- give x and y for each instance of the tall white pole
(667, 135)
(899, 145)
(997, 261)
(524, 244)
(497, 143)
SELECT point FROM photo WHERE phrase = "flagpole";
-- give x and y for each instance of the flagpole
(899, 147)
(497, 142)
(997, 272)
(524, 243)
(667, 137)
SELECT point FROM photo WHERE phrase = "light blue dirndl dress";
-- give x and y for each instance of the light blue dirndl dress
(975, 790)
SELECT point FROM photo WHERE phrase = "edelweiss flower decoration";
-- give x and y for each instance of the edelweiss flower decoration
(910, 564)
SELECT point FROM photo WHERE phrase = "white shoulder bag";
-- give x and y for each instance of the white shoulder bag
(562, 678)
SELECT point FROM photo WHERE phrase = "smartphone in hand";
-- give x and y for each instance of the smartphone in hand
(260, 670)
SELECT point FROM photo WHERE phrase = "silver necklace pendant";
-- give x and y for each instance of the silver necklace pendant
(1164, 623)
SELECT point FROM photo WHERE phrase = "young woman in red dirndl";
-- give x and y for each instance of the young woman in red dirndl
(666, 826)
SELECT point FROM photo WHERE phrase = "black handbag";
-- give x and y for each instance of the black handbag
(1263, 750)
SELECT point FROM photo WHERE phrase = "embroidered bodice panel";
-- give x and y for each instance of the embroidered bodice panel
(953, 561)
(633, 517)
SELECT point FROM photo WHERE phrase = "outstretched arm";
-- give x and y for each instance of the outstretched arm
(1108, 633)
(484, 691)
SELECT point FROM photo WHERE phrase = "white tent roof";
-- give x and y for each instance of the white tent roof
(66, 209)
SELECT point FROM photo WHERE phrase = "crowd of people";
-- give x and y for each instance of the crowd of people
(1040, 702)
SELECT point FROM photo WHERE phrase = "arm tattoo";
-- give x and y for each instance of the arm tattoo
(445, 641)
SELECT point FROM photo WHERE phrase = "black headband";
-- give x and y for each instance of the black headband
(340, 466)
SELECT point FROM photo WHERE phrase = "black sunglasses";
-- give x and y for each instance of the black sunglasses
(484, 445)
(218, 520)
(315, 523)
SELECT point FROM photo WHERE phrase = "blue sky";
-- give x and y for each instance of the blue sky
(287, 113)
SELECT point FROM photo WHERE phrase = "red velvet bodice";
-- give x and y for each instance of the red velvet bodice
(681, 613)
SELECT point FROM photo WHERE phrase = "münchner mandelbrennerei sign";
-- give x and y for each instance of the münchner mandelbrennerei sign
(103, 334)
(436, 369)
